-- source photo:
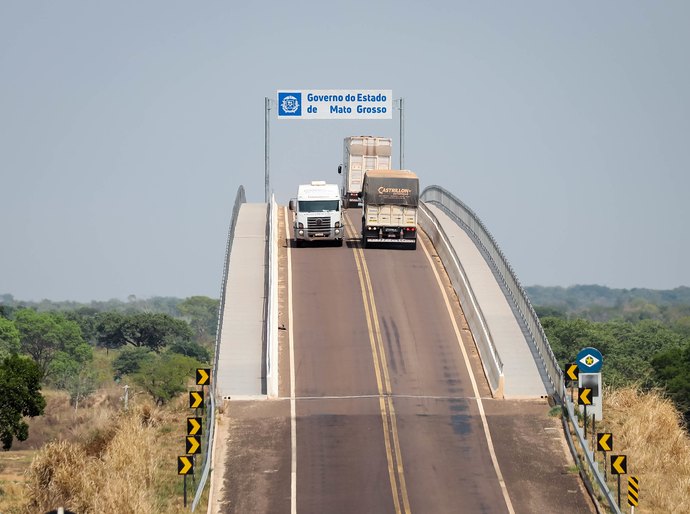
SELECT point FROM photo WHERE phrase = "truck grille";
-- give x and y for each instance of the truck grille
(318, 225)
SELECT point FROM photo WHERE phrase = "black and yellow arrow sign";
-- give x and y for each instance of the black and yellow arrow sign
(605, 441)
(194, 426)
(584, 396)
(572, 371)
(633, 491)
(193, 443)
(196, 400)
(203, 376)
(185, 465)
(619, 464)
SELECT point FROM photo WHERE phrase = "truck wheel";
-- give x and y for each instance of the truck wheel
(299, 243)
(414, 245)
(364, 241)
(338, 242)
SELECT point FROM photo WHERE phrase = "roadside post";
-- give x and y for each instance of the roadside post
(604, 444)
(619, 466)
(633, 492)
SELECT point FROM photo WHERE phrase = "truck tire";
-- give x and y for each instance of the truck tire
(338, 242)
(299, 243)
(364, 241)
(414, 245)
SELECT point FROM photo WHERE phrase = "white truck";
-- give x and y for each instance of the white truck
(362, 153)
(318, 213)
(389, 207)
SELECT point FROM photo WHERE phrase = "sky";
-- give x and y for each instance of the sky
(126, 129)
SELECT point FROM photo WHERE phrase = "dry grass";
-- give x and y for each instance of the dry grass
(104, 460)
(649, 430)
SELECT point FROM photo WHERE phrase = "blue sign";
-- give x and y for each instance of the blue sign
(589, 360)
(335, 104)
(289, 103)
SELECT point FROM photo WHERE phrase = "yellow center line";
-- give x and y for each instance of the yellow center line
(385, 390)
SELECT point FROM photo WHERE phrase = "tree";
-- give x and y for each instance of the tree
(202, 314)
(20, 383)
(9, 338)
(81, 385)
(86, 318)
(47, 335)
(166, 376)
(672, 370)
(151, 330)
(191, 349)
(130, 360)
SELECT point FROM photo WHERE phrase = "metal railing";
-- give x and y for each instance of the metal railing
(491, 360)
(272, 301)
(473, 226)
(240, 198)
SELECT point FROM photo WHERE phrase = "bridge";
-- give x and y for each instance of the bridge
(383, 380)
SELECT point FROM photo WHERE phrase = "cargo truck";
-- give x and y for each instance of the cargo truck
(318, 213)
(389, 207)
(362, 153)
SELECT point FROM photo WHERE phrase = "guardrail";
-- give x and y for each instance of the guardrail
(491, 360)
(240, 198)
(272, 301)
(473, 226)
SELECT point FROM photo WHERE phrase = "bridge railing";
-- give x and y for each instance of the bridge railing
(271, 281)
(240, 198)
(473, 226)
(490, 359)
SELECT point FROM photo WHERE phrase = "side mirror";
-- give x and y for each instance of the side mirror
(340, 168)
(291, 205)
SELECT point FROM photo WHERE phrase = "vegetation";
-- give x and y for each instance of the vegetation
(20, 380)
(644, 344)
(156, 348)
(649, 430)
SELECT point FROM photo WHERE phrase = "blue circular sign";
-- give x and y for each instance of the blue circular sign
(589, 360)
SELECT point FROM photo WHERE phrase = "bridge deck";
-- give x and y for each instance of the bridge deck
(522, 377)
(240, 367)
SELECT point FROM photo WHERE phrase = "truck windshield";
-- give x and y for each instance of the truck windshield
(319, 205)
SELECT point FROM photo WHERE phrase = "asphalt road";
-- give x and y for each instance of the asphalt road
(392, 413)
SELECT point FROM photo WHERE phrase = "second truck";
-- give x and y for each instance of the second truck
(389, 207)
(362, 153)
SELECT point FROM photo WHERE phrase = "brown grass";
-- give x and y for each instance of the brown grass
(104, 459)
(649, 430)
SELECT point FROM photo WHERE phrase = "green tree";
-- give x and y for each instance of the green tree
(81, 385)
(20, 383)
(130, 359)
(9, 338)
(672, 370)
(191, 349)
(202, 314)
(86, 318)
(151, 330)
(166, 376)
(47, 336)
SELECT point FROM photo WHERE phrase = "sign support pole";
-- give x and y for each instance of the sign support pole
(185, 491)
(401, 115)
(267, 138)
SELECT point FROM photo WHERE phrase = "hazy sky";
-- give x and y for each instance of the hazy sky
(126, 128)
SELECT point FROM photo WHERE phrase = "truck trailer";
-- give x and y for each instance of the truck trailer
(362, 153)
(389, 207)
(318, 213)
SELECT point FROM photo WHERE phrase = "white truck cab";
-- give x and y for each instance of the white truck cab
(318, 213)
